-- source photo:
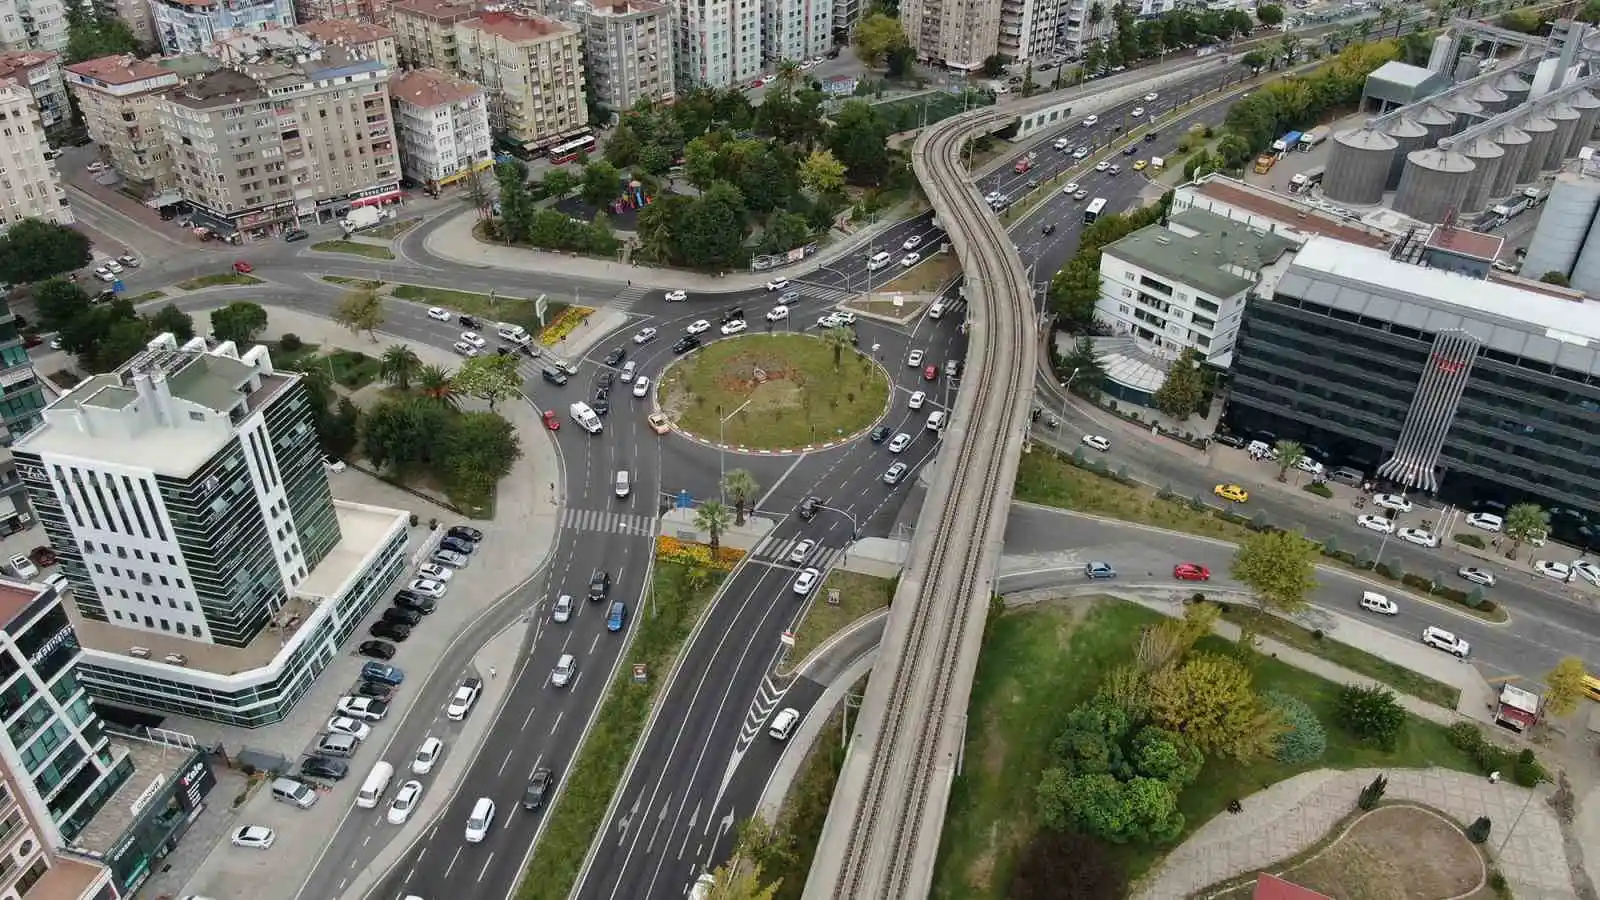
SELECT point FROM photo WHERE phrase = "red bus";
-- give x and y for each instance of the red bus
(570, 150)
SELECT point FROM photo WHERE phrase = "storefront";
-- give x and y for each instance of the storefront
(166, 809)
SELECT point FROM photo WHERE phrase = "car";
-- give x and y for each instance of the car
(1375, 523)
(1419, 536)
(1102, 165)
(1188, 571)
(1099, 570)
(1151, 97)
(408, 617)
(128, 260)
(295, 234)
(659, 423)
(415, 602)
(427, 587)
(1372, 601)
(1137, 111)
(474, 339)
(831, 320)
(1081, 195)
(96, 167)
(561, 610)
(1130, 150)
(777, 284)
(427, 755)
(935, 420)
(916, 400)
(809, 508)
(910, 259)
(1140, 165)
(466, 321)
(1071, 188)
(242, 267)
(615, 357)
(1115, 169)
(1486, 521)
(1231, 493)
(901, 442)
(254, 837)
(383, 674)
(1080, 153)
(369, 709)
(698, 326)
(617, 616)
(324, 767)
(1049, 228)
(1307, 464)
(912, 243)
(641, 386)
(539, 784)
(881, 434)
(677, 296)
(1096, 442)
(644, 335)
(930, 373)
(778, 313)
(807, 581)
(1587, 570)
(1091, 121)
(346, 725)
(599, 584)
(435, 571)
(373, 689)
(790, 298)
(734, 327)
(462, 700)
(914, 359)
(779, 729)
(104, 274)
(393, 631)
(1440, 639)
(1559, 571)
(1395, 502)
(565, 671)
(801, 551)
(465, 349)
(895, 473)
(551, 420)
(405, 800)
(1477, 576)
(24, 568)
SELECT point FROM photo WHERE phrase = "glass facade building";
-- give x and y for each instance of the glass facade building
(21, 405)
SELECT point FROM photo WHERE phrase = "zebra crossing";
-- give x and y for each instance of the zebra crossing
(776, 550)
(825, 293)
(608, 522)
(628, 296)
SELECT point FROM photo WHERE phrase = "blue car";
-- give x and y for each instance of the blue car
(1099, 570)
(619, 612)
(382, 673)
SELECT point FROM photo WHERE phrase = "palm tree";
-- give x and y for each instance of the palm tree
(399, 365)
(438, 385)
(1525, 522)
(740, 485)
(713, 518)
(1289, 453)
(838, 339)
(788, 76)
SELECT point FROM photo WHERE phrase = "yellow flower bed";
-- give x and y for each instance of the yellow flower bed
(695, 554)
(566, 323)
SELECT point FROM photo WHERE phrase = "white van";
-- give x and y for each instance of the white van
(514, 334)
(377, 782)
(481, 820)
(585, 417)
(628, 368)
(623, 485)
(295, 793)
(936, 420)
(936, 310)
(878, 260)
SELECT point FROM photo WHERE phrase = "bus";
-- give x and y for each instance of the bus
(1093, 210)
(570, 150)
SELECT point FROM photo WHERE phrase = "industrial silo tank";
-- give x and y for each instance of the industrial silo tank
(1515, 87)
(1588, 107)
(1434, 184)
(1358, 167)
(1515, 142)
(1464, 108)
(1408, 136)
(1541, 131)
(1486, 158)
(1490, 98)
(1440, 122)
(1564, 224)
(1566, 122)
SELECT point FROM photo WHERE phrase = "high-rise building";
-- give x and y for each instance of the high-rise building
(32, 186)
(960, 34)
(212, 573)
(532, 69)
(33, 25)
(425, 31)
(193, 26)
(627, 51)
(293, 136)
(40, 73)
(1076, 27)
(363, 39)
(795, 30)
(119, 97)
(717, 43)
(21, 409)
(444, 127)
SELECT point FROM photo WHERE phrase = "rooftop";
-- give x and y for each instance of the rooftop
(15, 597)
(346, 31)
(1402, 74)
(120, 69)
(518, 26)
(1271, 887)
(1295, 216)
(1466, 243)
(625, 8)
(438, 10)
(66, 879)
(224, 87)
(21, 60)
(153, 765)
(1205, 250)
(432, 87)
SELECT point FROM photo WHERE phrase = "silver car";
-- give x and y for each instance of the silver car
(562, 611)
(450, 558)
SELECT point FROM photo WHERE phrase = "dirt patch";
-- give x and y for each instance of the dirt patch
(1395, 853)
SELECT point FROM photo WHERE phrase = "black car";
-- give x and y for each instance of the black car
(599, 584)
(1131, 150)
(465, 533)
(1049, 229)
(415, 602)
(467, 321)
(376, 649)
(733, 314)
(391, 630)
(403, 616)
(1150, 136)
(324, 767)
(457, 545)
(615, 357)
(686, 343)
(295, 234)
(1228, 440)
(809, 508)
(538, 787)
(601, 404)
(881, 434)
(604, 380)
(374, 689)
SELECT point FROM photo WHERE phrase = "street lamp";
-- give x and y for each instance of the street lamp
(722, 448)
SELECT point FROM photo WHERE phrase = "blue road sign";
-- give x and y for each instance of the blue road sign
(684, 501)
(117, 286)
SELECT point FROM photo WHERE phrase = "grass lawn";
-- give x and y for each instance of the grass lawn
(393, 229)
(217, 280)
(858, 595)
(802, 400)
(146, 297)
(926, 278)
(346, 281)
(908, 113)
(354, 248)
(598, 769)
(350, 369)
(1038, 663)
(515, 310)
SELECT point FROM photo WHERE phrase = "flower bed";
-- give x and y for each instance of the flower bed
(565, 323)
(696, 554)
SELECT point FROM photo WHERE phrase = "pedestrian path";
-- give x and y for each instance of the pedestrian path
(774, 549)
(607, 522)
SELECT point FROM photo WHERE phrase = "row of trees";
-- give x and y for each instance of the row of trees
(34, 250)
(1131, 40)
(103, 336)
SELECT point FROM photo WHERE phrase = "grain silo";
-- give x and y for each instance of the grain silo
(1464, 108)
(1441, 123)
(1434, 184)
(1515, 87)
(1588, 107)
(1563, 225)
(1541, 131)
(1486, 158)
(1515, 142)
(1489, 98)
(1408, 136)
(1358, 167)
(1566, 122)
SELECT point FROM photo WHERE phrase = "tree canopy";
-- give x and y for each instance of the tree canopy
(33, 250)
(240, 321)
(876, 37)
(1183, 391)
(1565, 687)
(93, 36)
(1279, 567)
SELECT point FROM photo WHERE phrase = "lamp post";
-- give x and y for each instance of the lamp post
(1066, 391)
(722, 447)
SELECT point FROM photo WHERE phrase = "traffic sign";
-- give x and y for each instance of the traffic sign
(117, 286)
(684, 500)
(787, 639)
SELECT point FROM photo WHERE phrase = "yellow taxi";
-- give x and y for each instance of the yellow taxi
(1231, 493)
(1140, 165)
(659, 424)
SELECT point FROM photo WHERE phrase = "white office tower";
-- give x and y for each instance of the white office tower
(1076, 28)
(718, 43)
(795, 30)
(1028, 29)
(960, 34)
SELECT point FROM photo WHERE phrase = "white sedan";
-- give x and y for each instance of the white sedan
(1137, 112)
(1101, 166)
(1560, 571)
(1376, 523)
(256, 837)
(1071, 188)
(465, 349)
(24, 568)
(1419, 536)
(1151, 97)
(1486, 521)
(912, 242)
(435, 571)
(1395, 502)
(734, 327)
(777, 284)
(801, 551)
(677, 296)
(404, 802)
(427, 755)
(104, 274)
(914, 359)
(641, 386)
(1477, 575)
(698, 326)
(1588, 571)
(917, 399)
(644, 335)
(899, 442)
(438, 314)
(910, 259)
(1372, 601)
(807, 581)
(346, 725)
(427, 587)
(473, 338)
(844, 316)
(778, 313)
(1096, 442)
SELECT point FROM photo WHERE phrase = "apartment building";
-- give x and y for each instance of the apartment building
(363, 39)
(133, 13)
(358, 39)
(263, 147)
(443, 122)
(795, 30)
(33, 25)
(532, 69)
(119, 97)
(31, 868)
(717, 43)
(39, 72)
(193, 26)
(425, 31)
(627, 53)
(30, 186)
(1076, 27)
(1028, 29)
(959, 34)
(213, 574)
(21, 408)
(372, 12)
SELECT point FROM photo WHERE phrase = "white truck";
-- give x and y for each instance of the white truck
(1305, 181)
(362, 218)
(1536, 195)
(1312, 138)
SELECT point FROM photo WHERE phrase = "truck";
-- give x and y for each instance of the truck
(1305, 181)
(1505, 212)
(1286, 143)
(1265, 162)
(1312, 138)
(363, 217)
(1536, 196)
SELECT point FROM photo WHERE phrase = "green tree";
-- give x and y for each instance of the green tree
(713, 518)
(1084, 367)
(1269, 14)
(1279, 567)
(785, 231)
(1140, 810)
(171, 320)
(516, 204)
(602, 184)
(402, 434)
(91, 36)
(559, 182)
(125, 335)
(859, 138)
(1254, 60)
(711, 232)
(741, 487)
(994, 66)
(1289, 455)
(492, 377)
(240, 321)
(1564, 687)
(821, 173)
(1525, 523)
(1303, 738)
(60, 303)
(399, 365)
(436, 385)
(1209, 700)
(339, 431)
(361, 310)
(1371, 714)
(477, 450)
(1074, 291)
(740, 880)
(876, 36)
(1183, 391)
(839, 340)
(33, 250)
(1067, 866)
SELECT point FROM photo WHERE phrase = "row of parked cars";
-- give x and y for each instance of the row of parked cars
(422, 594)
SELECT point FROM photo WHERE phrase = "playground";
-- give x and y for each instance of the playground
(623, 212)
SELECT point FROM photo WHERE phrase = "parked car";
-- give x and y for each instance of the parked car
(254, 837)
(1188, 571)
(376, 649)
(324, 767)
(1477, 576)
(1440, 639)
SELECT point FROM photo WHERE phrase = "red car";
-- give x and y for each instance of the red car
(1191, 572)
(551, 421)
(242, 267)
(930, 373)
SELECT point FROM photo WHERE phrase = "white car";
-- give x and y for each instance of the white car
(1091, 121)
(912, 243)
(438, 314)
(333, 464)
(104, 274)
(899, 442)
(1560, 571)
(777, 284)
(644, 335)
(566, 669)
(114, 266)
(1440, 639)
(1102, 165)
(428, 587)
(1419, 536)
(255, 837)
(405, 800)
(461, 701)
(777, 313)
(807, 581)
(914, 359)
(1096, 442)
(910, 259)
(1376, 523)
(346, 725)
(1392, 501)
(24, 568)
(801, 551)
(698, 326)
(370, 709)
(1307, 464)
(1151, 97)
(641, 386)
(677, 296)
(1486, 521)
(1588, 571)
(831, 320)
(427, 755)
(1371, 601)
(734, 327)
(465, 349)
(1080, 153)
(1477, 575)
(474, 338)
(916, 400)
(561, 611)
(435, 572)
(1071, 188)
(1137, 112)
(97, 166)
(844, 316)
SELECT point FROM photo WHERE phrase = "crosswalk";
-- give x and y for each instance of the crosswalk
(827, 294)
(608, 522)
(628, 296)
(773, 549)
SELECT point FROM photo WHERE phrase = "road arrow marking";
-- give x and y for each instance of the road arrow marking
(688, 833)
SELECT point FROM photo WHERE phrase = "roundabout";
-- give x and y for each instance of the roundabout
(774, 393)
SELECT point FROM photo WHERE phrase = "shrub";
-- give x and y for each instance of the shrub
(1371, 714)
(1303, 739)
(1385, 570)
(1259, 521)
(1165, 493)
(1122, 474)
(1198, 502)
(290, 343)
(1396, 570)
(1364, 557)
(1372, 793)
(1454, 595)
(1416, 581)
(1320, 489)
(1497, 883)
(1486, 606)
(1478, 831)
(1475, 598)
(1528, 771)
(1470, 540)
(1331, 546)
